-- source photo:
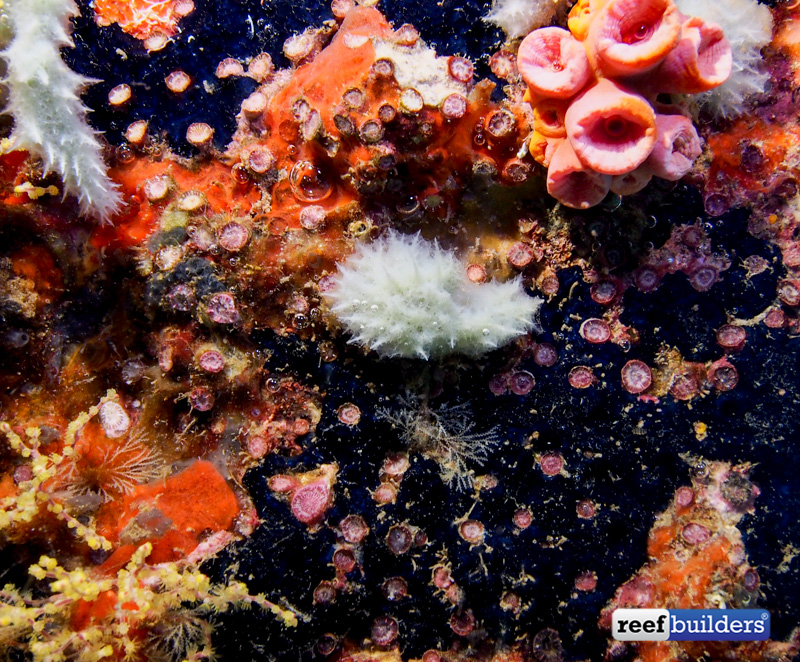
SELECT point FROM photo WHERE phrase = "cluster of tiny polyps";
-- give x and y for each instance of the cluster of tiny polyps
(598, 125)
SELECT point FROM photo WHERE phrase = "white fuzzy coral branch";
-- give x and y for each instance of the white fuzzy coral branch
(44, 99)
(403, 296)
(519, 17)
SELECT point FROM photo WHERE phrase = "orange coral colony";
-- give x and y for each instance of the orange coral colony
(143, 19)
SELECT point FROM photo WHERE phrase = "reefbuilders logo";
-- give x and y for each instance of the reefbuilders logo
(690, 624)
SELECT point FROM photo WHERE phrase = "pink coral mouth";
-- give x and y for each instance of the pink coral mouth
(612, 130)
(553, 63)
(629, 37)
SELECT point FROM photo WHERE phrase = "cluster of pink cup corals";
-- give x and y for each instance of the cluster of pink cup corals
(599, 122)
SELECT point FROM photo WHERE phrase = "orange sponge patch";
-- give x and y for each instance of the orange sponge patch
(174, 515)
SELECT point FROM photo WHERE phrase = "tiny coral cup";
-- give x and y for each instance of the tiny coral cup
(572, 183)
(548, 118)
(677, 146)
(542, 148)
(612, 130)
(631, 182)
(581, 16)
(537, 147)
(553, 63)
(629, 37)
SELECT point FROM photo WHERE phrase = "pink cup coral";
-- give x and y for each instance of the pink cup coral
(676, 147)
(701, 61)
(549, 118)
(628, 37)
(593, 90)
(553, 63)
(611, 129)
(580, 17)
(631, 182)
(573, 183)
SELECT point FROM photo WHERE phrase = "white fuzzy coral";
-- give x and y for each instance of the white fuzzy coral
(44, 99)
(403, 296)
(748, 27)
(519, 17)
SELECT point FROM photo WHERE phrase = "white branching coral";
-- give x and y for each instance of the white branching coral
(748, 27)
(407, 297)
(519, 17)
(44, 100)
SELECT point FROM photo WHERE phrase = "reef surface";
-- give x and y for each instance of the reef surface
(200, 456)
